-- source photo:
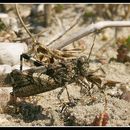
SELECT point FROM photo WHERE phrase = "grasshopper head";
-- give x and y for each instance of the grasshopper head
(83, 65)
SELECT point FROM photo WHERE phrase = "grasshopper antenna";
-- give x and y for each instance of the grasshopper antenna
(20, 19)
(93, 20)
(29, 33)
(91, 49)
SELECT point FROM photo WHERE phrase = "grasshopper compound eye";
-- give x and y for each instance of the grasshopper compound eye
(82, 60)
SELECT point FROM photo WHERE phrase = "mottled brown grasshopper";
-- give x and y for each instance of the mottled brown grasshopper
(60, 72)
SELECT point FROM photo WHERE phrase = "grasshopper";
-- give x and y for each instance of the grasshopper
(59, 72)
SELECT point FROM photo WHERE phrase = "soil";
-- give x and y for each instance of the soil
(46, 110)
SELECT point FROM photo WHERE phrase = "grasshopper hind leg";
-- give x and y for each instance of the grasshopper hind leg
(61, 91)
(88, 88)
(72, 101)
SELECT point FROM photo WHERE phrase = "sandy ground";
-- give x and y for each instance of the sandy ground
(48, 111)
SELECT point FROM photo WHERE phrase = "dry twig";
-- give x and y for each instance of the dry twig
(88, 30)
(71, 27)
